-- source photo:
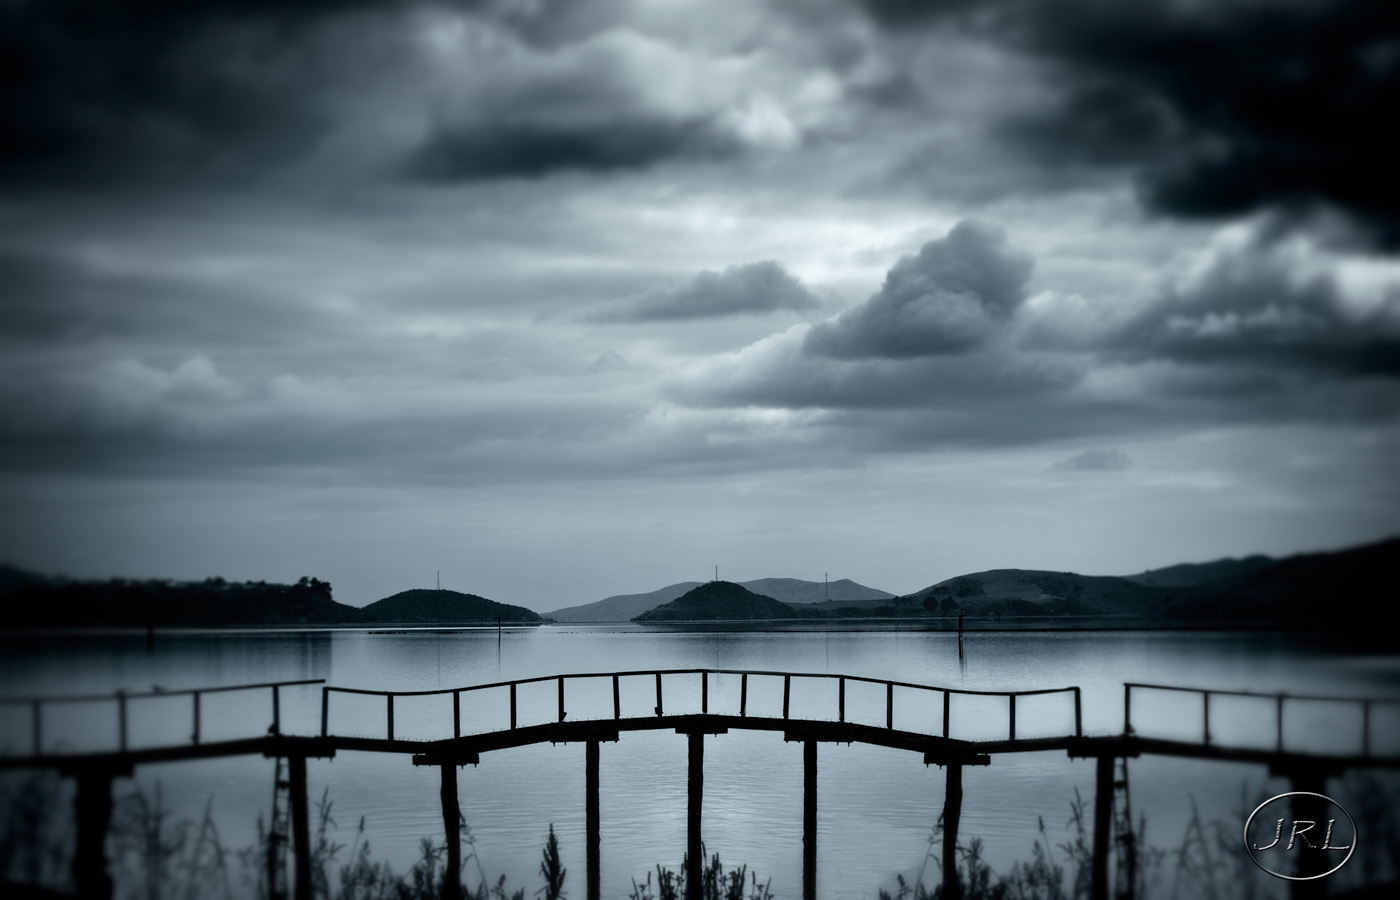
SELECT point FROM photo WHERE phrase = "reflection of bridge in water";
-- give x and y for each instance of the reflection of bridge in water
(94, 770)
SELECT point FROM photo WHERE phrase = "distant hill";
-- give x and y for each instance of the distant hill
(795, 590)
(442, 607)
(625, 607)
(1187, 574)
(718, 600)
(622, 607)
(1029, 592)
(123, 603)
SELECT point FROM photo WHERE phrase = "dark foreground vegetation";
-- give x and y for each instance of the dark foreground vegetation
(155, 858)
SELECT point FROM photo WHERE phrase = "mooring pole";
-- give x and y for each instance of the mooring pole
(595, 831)
(952, 812)
(301, 826)
(694, 863)
(452, 826)
(93, 811)
(1103, 811)
(809, 820)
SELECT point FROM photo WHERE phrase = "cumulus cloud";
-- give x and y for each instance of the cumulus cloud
(949, 298)
(1251, 298)
(748, 289)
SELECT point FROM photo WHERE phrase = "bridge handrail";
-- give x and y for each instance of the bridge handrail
(36, 704)
(704, 694)
(1279, 699)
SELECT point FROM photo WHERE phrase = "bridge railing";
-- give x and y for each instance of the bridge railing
(705, 677)
(1278, 701)
(122, 699)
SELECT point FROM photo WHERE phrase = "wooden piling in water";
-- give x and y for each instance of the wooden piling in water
(301, 827)
(694, 856)
(952, 813)
(809, 820)
(93, 812)
(452, 827)
(1103, 826)
(595, 838)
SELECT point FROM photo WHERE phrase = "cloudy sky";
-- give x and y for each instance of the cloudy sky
(567, 299)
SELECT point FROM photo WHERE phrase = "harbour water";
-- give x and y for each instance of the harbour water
(877, 807)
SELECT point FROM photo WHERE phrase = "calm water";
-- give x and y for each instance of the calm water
(877, 807)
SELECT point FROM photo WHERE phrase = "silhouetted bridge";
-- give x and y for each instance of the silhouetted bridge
(500, 726)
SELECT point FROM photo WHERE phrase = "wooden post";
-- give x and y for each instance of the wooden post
(595, 831)
(1103, 826)
(694, 856)
(452, 827)
(809, 820)
(301, 826)
(952, 812)
(1314, 809)
(93, 812)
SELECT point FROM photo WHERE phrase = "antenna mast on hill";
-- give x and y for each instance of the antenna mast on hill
(716, 573)
(439, 579)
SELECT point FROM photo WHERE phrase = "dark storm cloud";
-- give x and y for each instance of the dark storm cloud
(1225, 108)
(533, 145)
(158, 90)
(97, 91)
(1099, 459)
(949, 298)
(750, 289)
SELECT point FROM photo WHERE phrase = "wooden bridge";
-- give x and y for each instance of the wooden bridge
(501, 727)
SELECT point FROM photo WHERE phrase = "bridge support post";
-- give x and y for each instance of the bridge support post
(952, 813)
(301, 826)
(452, 827)
(1103, 825)
(1313, 809)
(93, 813)
(595, 838)
(694, 856)
(809, 820)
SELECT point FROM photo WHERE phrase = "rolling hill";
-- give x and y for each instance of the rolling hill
(625, 607)
(443, 607)
(718, 600)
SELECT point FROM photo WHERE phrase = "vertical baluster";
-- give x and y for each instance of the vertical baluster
(947, 708)
(276, 710)
(1205, 714)
(660, 707)
(889, 704)
(562, 714)
(704, 690)
(1013, 717)
(389, 698)
(196, 717)
(456, 714)
(1078, 715)
(1127, 709)
(787, 694)
(841, 698)
(617, 700)
(743, 694)
(512, 706)
(325, 711)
